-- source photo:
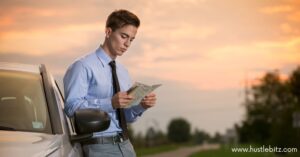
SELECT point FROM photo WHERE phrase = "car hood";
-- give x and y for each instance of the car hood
(15, 143)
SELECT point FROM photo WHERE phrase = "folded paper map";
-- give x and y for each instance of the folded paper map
(139, 91)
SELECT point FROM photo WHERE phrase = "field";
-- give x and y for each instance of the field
(226, 151)
(155, 150)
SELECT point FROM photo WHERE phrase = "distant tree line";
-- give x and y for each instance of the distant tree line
(271, 107)
(178, 132)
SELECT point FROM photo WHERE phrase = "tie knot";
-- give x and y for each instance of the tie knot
(112, 64)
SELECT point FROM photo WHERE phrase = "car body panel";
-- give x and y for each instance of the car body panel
(20, 67)
(16, 143)
(54, 144)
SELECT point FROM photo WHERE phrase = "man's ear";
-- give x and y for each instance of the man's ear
(108, 32)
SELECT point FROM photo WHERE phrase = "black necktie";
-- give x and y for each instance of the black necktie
(120, 111)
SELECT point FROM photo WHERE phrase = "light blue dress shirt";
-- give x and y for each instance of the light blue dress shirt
(88, 84)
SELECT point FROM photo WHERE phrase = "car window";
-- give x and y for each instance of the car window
(23, 105)
(60, 99)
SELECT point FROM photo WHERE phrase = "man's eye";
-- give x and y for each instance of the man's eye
(123, 36)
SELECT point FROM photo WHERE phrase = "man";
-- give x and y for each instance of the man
(97, 81)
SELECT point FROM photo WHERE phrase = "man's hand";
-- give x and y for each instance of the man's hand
(120, 100)
(148, 101)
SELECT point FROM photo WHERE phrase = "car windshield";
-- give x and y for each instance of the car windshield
(22, 102)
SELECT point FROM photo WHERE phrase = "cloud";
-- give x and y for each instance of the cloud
(294, 16)
(195, 43)
(183, 32)
(202, 45)
(41, 42)
(36, 28)
(289, 10)
(289, 29)
(277, 9)
(219, 68)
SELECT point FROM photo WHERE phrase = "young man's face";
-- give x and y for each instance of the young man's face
(120, 40)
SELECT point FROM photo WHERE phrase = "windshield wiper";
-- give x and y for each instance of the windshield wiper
(7, 128)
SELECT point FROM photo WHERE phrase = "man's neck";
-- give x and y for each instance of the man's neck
(107, 51)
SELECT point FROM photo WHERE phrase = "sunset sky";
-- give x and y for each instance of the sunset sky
(202, 51)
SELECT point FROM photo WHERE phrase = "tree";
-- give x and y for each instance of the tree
(294, 84)
(262, 109)
(179, 130)
(155, 137)
(200, 136)
(269, 109)
(216, 138)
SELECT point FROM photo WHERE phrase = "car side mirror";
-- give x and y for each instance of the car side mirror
(88, 121)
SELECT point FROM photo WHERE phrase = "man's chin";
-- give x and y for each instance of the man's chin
(121, 53)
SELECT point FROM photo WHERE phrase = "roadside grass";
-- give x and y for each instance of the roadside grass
(225, 151)
(155, 150)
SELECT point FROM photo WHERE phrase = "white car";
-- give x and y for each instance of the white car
(32, 121)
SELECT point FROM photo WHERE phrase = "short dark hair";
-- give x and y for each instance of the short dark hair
(120, 18)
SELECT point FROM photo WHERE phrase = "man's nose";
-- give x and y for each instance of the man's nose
(127, 43)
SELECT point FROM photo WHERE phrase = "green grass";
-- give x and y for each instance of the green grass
(155, 150)
(225, 151)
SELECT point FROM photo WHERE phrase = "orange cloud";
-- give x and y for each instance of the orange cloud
(294, 17)
(288, 28)
(222, 67)
(41, 42)
(194, 46)
(180, 32)
(6, 21)
(34, 11)
(290, 11)
(277, 9)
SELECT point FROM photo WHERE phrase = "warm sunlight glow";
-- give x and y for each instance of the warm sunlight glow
(203, 48)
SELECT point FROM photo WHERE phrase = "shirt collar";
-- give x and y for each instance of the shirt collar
(103, 57)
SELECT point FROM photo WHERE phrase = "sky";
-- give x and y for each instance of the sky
(204, 52)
